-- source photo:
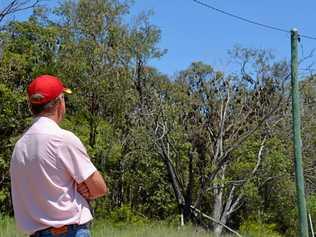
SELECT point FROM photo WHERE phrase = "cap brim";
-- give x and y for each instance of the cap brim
(67, 90)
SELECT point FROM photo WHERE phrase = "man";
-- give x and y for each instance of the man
(52, 176)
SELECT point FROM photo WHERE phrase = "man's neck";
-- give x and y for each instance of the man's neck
(53, 117)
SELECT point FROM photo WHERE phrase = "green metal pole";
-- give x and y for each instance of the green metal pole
(299, 177)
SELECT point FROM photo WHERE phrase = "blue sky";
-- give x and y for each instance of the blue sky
(191, 32)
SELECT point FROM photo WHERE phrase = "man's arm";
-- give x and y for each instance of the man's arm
(93, 187)
(74, 156)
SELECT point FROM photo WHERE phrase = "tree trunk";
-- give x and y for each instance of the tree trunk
(92, 133)
(164, 154)
(218, 204)
(188, 196)
(175, 184)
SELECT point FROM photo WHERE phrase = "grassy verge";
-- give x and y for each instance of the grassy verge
(102, 229)
(8, 229)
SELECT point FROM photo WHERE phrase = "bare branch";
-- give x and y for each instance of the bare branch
(234, 207)
(305, 57)
(271, 178)
(259, 156)
(216, 221)
(16, 6)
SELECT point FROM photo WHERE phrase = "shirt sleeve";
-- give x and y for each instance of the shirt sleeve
(75, 158)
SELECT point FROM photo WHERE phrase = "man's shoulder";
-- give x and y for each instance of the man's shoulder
(69, 137)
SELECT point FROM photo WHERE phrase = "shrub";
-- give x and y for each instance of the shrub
(252, 228)
(124, 215)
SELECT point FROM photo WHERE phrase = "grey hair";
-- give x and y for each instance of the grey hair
(52, 103)
(37, 109)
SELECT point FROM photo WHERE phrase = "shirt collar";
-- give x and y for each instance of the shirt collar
(45, 120)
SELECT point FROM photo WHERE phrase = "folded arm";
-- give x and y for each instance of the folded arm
(93, 187)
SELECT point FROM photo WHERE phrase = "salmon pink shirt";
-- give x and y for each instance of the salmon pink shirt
(47, 164)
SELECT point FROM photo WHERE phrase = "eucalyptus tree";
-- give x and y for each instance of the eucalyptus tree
(216, 115)
(102, 56)
(92, 48)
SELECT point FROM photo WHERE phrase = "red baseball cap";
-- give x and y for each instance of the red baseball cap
(45, 88)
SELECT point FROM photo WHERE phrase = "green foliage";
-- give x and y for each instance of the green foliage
(12, 122)
(125, 215)
(29, 50)
(10, 106)
(311, 207)
(252, 228)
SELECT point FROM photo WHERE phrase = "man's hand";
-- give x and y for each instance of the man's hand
(82, 188)
(96, 185)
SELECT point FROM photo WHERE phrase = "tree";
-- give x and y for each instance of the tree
(29, 50)
(100, 57)
(307, 88)
(11, 123)
(218, 115)
(90, 44)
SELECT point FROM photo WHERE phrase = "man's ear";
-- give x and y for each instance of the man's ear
(59, 102)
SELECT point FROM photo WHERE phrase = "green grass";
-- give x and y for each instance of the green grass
(102, 229)
(8, 229)
(148, 231)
